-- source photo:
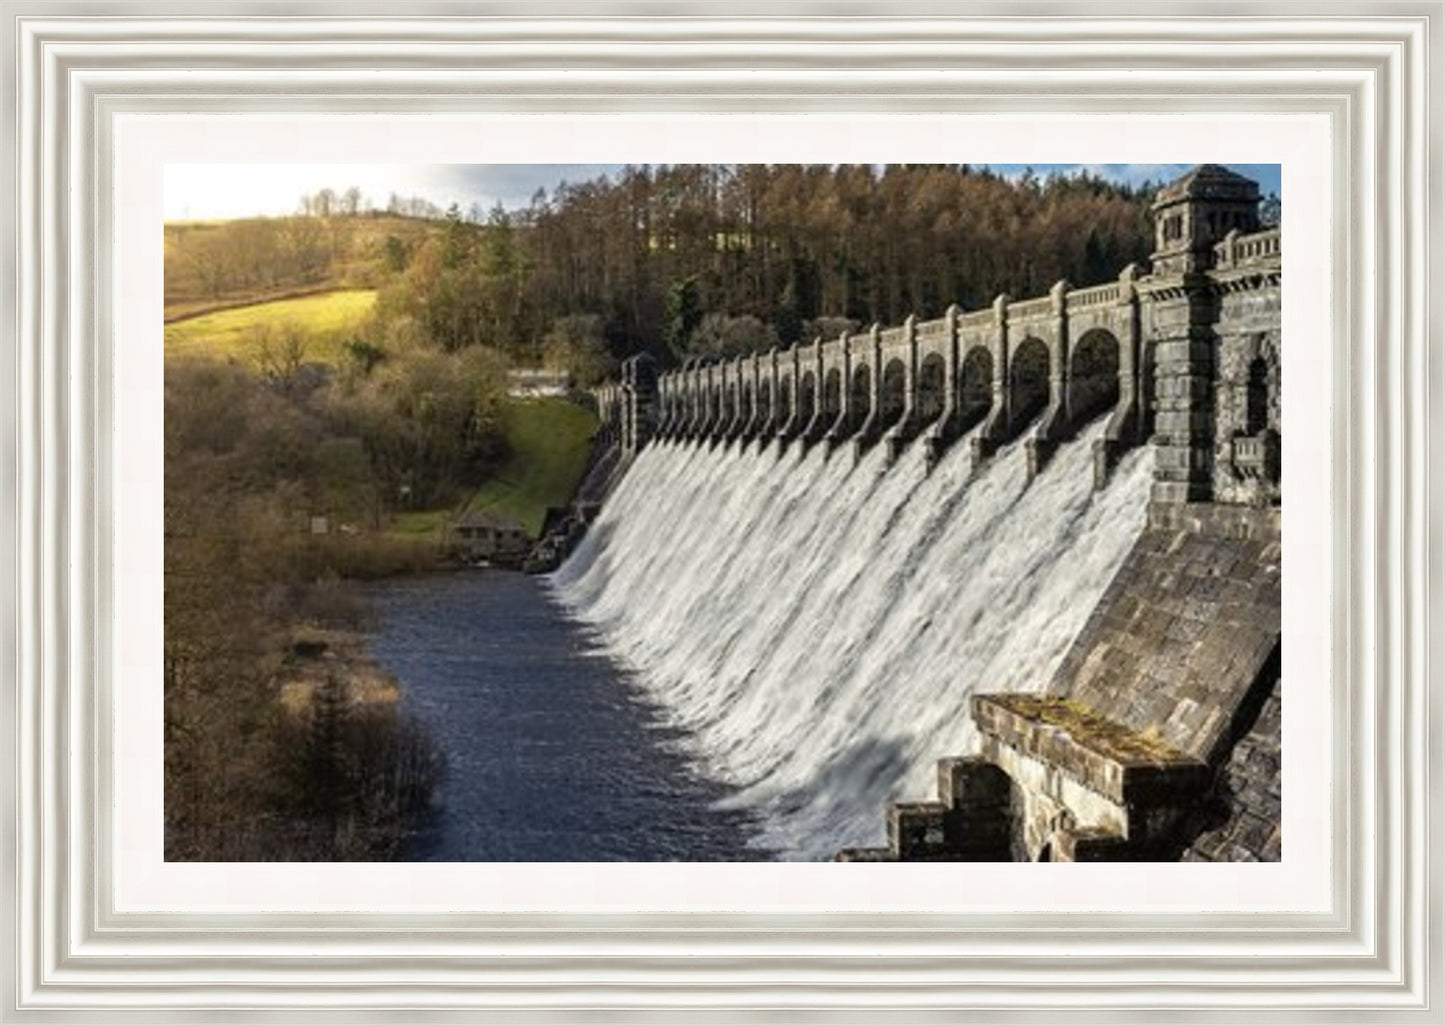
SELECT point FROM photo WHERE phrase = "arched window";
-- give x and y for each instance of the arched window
(1256, 397)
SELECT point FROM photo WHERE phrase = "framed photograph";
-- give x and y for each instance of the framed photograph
(1326, 909)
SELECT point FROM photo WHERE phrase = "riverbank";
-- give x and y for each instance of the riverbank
(316, 657)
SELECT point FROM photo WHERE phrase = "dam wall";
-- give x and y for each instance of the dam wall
(1128, 747)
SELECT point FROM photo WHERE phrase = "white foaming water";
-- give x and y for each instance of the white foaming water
(816, 628)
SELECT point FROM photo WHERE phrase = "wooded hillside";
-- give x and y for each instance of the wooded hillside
(684, 259)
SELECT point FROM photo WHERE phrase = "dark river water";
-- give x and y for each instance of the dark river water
(550, 754)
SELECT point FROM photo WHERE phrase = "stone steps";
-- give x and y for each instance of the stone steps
(972, 820)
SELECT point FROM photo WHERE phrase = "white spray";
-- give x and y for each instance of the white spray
(816, 627)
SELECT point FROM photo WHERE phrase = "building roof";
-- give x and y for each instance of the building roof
(1208, 181)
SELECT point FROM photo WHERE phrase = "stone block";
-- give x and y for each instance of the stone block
(1104, 755)
(1090, 846)
(916, 829)
(968, 782)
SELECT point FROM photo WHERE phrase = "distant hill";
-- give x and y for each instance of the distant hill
(218, 265)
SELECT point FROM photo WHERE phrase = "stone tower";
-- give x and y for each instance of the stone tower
(639, 403)
(1197, 211)
(1191, 217)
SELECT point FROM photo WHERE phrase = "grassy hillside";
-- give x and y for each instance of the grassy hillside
(211, 265)
(324, 320)
(549, 439)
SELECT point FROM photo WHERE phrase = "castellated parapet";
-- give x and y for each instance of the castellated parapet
(1129, 752)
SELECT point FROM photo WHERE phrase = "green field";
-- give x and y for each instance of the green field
(325, 320)
(549, 439)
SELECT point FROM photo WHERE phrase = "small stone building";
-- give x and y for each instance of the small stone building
(480, 535)
(538, 383)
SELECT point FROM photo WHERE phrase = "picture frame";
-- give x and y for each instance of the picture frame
(88, 938)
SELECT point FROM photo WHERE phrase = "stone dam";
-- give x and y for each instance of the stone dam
(1027, 555)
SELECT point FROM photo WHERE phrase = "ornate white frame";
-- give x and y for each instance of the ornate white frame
(70, 956)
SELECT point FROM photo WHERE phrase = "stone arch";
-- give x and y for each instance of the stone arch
(860, 394)
(765, 397)
(931, 388)
(894, 394)
(1093, 375)
(807, 397)
(975, 386)
(832, 397)
(1028, 381)
(1261, 386)
(784, 399)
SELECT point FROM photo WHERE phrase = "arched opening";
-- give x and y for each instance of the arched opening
(894, 398)
(930, 388)
(1256, 397)
(715, 404)
(1028, 382)
(765, 399)
(730, 407)
(747, 403)
(785, 401)
(832, 399)
(1093, 376)
(807, 398)
(975, 386)
(860, 396)
(1046, 854)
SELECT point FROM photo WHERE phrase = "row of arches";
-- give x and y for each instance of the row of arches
(1092, 387)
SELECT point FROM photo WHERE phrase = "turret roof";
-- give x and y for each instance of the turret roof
(1208, 181)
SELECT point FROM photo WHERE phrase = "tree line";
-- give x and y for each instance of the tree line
(684, 259)
(700, 258)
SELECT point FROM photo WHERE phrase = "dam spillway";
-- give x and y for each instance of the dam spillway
(1039, 576)
(815, 627)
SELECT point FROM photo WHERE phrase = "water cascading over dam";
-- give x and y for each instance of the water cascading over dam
(1025, 557)
(817, 626)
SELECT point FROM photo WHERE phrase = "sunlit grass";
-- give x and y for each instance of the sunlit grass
(549, 439)
(323, 320)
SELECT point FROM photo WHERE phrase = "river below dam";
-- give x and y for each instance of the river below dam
(551, 754)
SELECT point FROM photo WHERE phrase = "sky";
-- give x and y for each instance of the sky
(216, 191)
